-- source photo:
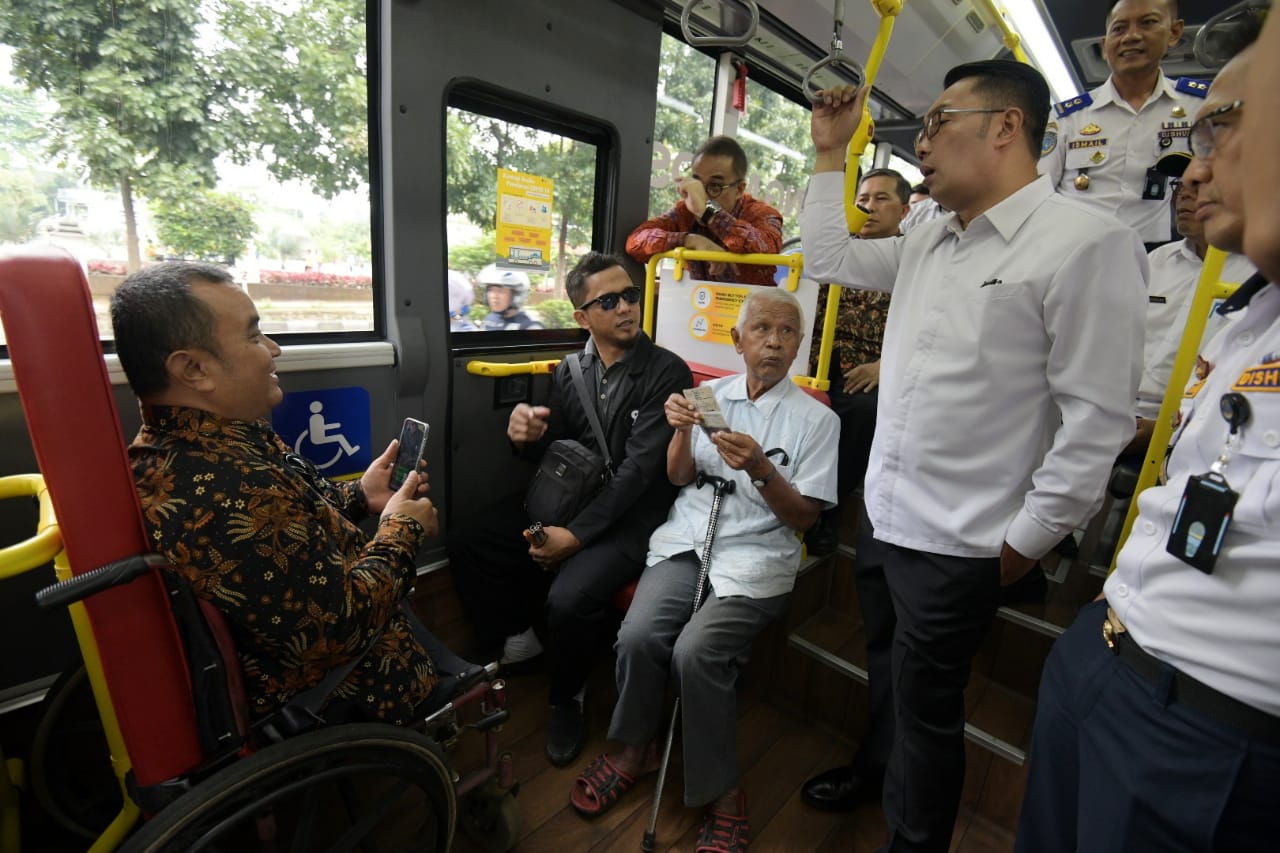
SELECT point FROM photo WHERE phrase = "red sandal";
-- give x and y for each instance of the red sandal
(602, 783)
(725, 833)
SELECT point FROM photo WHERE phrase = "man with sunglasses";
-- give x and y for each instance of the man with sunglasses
(715, 213)
(504, 583)
(1100, 148)
(1158, 720)
(995, 430)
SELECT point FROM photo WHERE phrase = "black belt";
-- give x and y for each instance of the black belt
(1195, 694)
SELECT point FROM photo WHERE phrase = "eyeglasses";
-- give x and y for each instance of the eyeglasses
(714, 188)
(933, 121)
(609, 301)
(1203, 137)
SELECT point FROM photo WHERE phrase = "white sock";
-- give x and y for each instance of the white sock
(521, 646)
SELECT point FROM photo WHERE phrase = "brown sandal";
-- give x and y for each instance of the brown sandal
(725, 833)
(603, 783)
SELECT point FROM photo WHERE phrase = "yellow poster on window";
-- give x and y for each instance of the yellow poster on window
(524, 219)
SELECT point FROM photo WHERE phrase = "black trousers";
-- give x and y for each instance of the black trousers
(878, 622)
(943, 607)
(857, 413)
(504, 592)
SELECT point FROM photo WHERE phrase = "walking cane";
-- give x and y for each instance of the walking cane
(722, 487)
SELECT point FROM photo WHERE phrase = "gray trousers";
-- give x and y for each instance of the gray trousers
(658, 640)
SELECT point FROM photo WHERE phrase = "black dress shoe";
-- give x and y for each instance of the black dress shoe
(841, 789)
(566, 733)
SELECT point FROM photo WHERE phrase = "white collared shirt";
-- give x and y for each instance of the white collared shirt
(920, 213)
(1222, 628)
(754, 553)
(1175, 272)
(1011, 357)
(1116, 146)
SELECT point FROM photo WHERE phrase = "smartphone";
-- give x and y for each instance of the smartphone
(413, 448)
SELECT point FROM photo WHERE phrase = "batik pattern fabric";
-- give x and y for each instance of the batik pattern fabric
(753, 227)
(275, 547)
(859, 327)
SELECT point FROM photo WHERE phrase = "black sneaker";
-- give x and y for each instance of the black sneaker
(566, 733)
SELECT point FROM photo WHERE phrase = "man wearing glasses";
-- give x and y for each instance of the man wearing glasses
(996, 429)
(502, 581)
(1100, 148)
(715, 214)
(1158, 721)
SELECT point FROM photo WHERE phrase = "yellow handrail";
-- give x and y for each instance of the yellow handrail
(1011, 39)
(502, 368)
(855, 216)
(31, 554)
(1209, 288)
(794, 263)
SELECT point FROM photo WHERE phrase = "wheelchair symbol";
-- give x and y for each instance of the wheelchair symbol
(319, 433)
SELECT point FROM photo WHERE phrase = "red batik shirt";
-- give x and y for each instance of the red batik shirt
(752, 228)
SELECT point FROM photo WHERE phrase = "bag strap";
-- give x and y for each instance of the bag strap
(580, 382)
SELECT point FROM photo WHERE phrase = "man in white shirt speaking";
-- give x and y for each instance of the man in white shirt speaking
(996, 430)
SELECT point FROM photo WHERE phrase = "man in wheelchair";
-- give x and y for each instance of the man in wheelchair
(254, 529)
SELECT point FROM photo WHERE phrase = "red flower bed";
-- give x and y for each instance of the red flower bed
(316, 278)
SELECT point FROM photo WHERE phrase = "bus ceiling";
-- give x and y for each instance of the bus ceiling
(930, 37)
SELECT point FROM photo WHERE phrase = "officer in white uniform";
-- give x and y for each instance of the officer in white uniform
(1101, 148)
(1158, 720)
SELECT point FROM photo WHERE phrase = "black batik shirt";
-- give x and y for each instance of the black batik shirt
(303, 588)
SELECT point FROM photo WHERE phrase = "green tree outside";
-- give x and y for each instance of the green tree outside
(204, 225)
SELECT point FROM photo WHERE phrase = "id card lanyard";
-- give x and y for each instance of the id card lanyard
(1204, 513)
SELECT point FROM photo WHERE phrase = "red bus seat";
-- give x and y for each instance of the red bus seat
(52, 335)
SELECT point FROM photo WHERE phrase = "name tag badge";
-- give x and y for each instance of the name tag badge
(1204, 514)
(1154, 186)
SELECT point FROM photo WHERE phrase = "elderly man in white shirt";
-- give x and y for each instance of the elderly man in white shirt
(1010, 363)
(780, 454)
(1158, 720)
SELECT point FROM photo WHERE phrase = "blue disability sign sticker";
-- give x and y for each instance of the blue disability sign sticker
(330, 427)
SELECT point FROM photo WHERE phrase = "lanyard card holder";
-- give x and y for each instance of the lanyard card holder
(1202, 520)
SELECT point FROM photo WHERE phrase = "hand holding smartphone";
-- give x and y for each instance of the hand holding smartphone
(413, 449)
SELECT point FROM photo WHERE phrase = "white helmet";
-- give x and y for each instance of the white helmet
(514, 280)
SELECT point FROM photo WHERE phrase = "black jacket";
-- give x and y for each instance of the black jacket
(639, 496)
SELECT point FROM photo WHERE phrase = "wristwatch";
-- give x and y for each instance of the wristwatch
(709, 212)
(764, 481)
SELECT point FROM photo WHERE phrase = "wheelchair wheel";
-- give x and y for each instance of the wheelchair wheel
(352, 787)
(490, 817)
(71, 772)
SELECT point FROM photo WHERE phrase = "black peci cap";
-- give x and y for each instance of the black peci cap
(1002, 68)
(1174, 163)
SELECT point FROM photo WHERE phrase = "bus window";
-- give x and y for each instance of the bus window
(230, 143)
(906, 168)
(686, 84)
(774, 132)
(521, 203)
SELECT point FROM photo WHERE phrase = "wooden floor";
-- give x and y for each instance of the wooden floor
(777, 751)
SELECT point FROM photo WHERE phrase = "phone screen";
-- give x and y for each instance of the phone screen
(413, 447)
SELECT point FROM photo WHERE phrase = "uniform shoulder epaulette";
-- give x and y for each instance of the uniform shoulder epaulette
(1071, 105)
(1192, 86)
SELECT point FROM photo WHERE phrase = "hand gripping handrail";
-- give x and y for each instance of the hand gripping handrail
(719, 41)
(1209, 288)
(888, 10)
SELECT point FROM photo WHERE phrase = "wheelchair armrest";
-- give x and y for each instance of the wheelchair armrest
(97, 580)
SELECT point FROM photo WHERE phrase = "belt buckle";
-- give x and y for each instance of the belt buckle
(1112, 628)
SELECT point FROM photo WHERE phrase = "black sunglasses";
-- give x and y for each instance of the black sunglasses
(609, 301)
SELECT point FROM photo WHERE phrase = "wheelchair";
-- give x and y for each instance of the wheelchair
(161, 668)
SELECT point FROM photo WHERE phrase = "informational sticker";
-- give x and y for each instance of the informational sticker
(695, 319)
(524, 219)
(331, 427)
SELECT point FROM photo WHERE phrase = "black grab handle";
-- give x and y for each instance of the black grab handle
(97, 580)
